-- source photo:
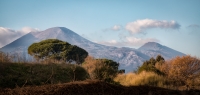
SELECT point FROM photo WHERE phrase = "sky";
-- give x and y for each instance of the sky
(120, 23)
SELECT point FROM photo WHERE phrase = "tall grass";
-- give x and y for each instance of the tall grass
(153, 79)
(143, 78)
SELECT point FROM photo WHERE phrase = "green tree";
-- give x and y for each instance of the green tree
(159, 58)
(150, 65)
(57, 50)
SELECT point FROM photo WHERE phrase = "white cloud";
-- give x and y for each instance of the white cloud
(8, 35)
(116, 27)
(142, 25)
(29, 29)
(129, 41)
(132, 41)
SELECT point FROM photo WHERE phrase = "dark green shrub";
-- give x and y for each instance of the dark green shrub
(23, 74)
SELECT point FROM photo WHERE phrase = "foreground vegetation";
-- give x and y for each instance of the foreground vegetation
(93, 88)
(152, 73)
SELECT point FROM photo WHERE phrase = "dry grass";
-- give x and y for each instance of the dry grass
(143, 78)
(151, 79)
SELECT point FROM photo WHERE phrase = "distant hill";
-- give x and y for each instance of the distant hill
(129, 58)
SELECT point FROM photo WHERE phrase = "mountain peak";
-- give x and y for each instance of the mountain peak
(55, 33)
(151, 45)
(152, 49)
(57, 29)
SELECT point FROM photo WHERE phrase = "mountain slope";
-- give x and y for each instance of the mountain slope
(128, 58)
(22, 42)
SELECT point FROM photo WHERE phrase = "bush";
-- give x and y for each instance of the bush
(101, 69)
(183, 70)
(22, 74)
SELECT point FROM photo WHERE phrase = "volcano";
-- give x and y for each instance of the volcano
(129, 58)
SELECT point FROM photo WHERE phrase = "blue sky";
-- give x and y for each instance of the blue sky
(121, 23)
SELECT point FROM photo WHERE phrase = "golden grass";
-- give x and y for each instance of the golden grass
(143, 78)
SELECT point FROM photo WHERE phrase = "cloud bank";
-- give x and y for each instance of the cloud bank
(142, 25)
(8, 35)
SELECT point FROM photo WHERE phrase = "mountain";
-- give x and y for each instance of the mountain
(152, 49)
(129, 58)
